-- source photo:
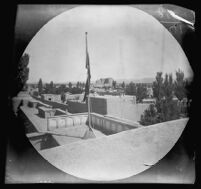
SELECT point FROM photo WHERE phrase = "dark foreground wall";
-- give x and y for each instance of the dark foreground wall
(77, 107)
(98, 105)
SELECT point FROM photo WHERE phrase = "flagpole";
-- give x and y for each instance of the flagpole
(89, 116)
(89, 112)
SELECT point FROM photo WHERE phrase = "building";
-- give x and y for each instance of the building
(104, 82)
(123, 107)
(70, 96)
(61, 140)
(32, 91)
(51, 97)
(149, 101)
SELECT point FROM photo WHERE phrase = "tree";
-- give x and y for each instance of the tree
(62, 88)
(76, 90)
(158, 86)
(180, 90)
(51, 88)
(63, 97)
(47, 88)
(78, 84)
(70, 85)
(35, 93)
(123, 85)
(131, 89)
(83, 85)
(114, 83)
(51, 84)
(150, 116)
(141, 92)
(40, 86)
(168, 87)
(166, 108)
(22, 73)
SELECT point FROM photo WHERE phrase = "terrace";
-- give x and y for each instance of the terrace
(121, 147)
(49, 127)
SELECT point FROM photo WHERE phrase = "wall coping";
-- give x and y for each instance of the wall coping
(72, 115)
(119, 120)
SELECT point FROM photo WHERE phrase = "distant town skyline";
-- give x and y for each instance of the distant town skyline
(140, 80)
(123, 42)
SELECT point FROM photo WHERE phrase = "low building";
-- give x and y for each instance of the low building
(51, 97)
(104, 82)
(149, 101)
(32, 91)
(70, 96)
(124, 107)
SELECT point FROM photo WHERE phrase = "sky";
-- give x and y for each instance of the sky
(123, 43)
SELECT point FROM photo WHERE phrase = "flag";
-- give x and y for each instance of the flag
(87, 85)
(89, 132)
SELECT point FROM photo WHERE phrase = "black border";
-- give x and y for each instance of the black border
(191, 52)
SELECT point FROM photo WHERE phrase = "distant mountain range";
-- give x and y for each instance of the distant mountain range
(142, 80)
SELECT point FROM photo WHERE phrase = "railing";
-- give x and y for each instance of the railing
(64, 121)
(111, 125)
(106, 124)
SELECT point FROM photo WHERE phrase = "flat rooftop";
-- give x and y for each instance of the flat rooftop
(61, 135)
(110, 157)
(119, 155)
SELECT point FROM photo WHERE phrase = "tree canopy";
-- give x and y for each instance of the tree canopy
(141, 92)
(40, 86)
(21, 74)
(63, 97)
(180, 83)
(70, 85)
(114, 83)
(165, 108)
(137, 89)
(123, 85)
(158, 86)
(150, 116)
(131, 89)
